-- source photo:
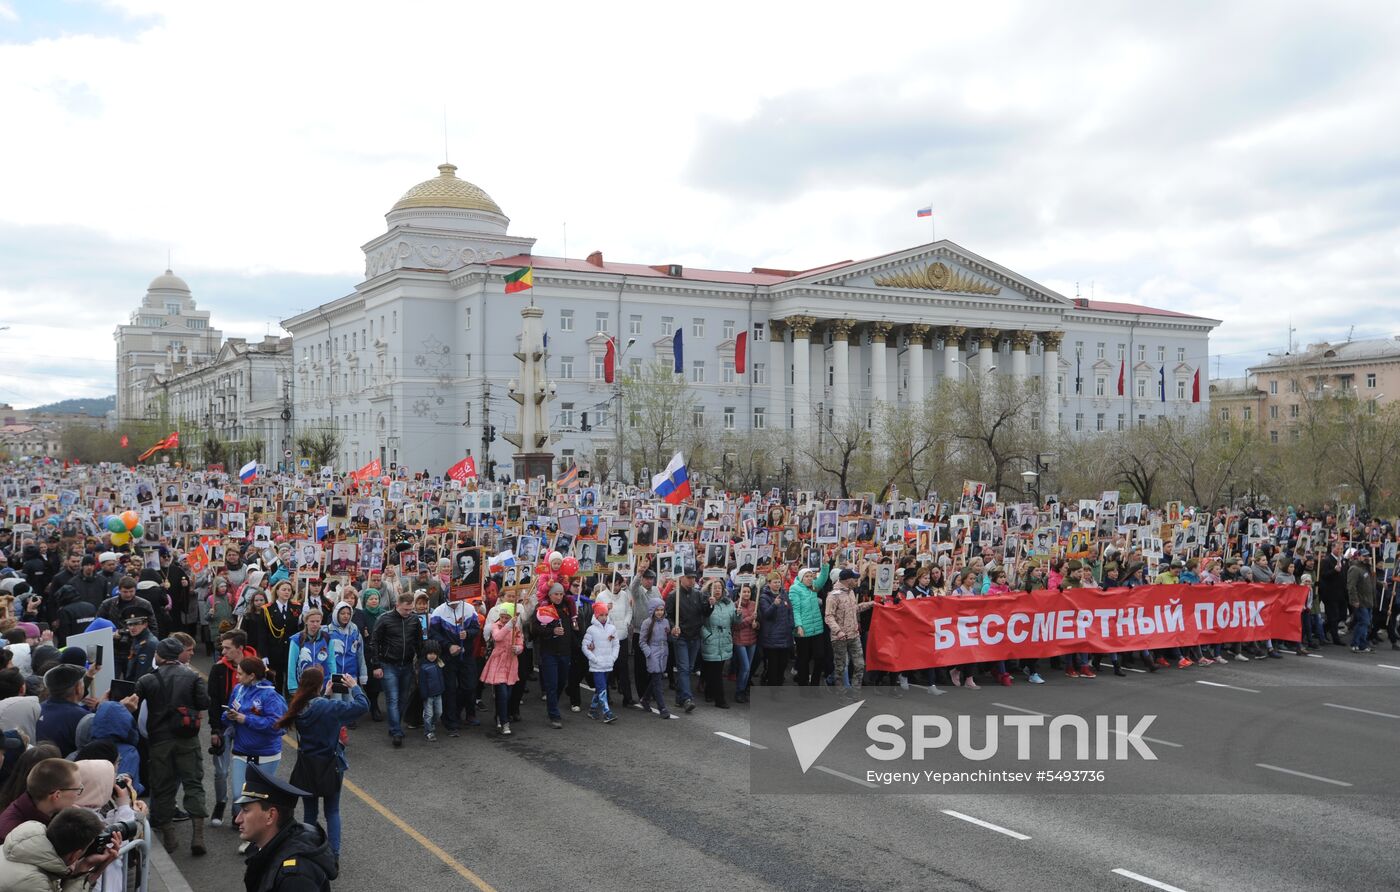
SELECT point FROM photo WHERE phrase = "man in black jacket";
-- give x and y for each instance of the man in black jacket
(175, 695)
(91, 587)
(394, 643)
(286, 855)
(692, 609)
(1332, 588)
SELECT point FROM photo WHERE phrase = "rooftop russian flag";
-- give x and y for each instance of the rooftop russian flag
(522, 279)
(924, 212)
(248, 472)
(673, 484)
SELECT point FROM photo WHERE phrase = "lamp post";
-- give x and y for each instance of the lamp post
(1031, 481)
(617, 395)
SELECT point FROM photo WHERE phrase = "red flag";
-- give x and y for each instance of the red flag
(124, 441)
(1122, 366)
(609, 360)
(365, 473)
(1196, 387)
(169, 442)
(463, 471)
(741, 344)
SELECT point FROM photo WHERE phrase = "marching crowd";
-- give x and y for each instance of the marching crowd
(316, 654)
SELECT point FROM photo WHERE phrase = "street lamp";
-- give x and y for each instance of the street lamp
(1032, 476)
(617, 394)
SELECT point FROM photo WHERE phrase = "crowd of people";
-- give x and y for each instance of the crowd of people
(320, 601)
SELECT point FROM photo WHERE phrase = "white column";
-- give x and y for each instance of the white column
(801, 372)
(1049, 377)
(952, 351)
(777, 375)
(918, 334)
(841, 364)
(879, 363)
(1020, 343)
(987, 342)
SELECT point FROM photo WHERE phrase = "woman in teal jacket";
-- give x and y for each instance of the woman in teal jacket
(717, 642)
(807, 623)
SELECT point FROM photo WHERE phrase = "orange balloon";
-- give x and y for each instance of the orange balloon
(131, 519)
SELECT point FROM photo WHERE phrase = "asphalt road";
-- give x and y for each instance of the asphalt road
(667, 805)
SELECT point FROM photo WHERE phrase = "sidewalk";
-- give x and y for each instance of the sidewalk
(165, 876)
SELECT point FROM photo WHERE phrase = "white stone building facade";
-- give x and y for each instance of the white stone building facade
(168, 332)
(413, 365)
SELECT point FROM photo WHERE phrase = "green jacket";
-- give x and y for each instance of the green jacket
(717, 637)
(1361, 586)
(806, 606)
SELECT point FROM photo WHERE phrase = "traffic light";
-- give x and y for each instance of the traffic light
(491, 470)
(584, 425)
(490, 433)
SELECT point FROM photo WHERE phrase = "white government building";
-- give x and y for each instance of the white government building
(413, 365)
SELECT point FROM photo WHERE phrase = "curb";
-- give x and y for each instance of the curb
(164, 865)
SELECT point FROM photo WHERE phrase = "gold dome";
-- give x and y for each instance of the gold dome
(447, 191)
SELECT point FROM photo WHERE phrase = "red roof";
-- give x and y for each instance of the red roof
(1110, 306)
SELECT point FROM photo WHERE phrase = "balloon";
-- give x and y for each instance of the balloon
(114, 524)
(138, 531)
(130, 519)
(569, 566)
(121, 538)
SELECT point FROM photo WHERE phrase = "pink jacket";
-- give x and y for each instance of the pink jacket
(502, 666)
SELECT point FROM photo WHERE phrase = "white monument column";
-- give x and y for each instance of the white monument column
(918, 335)
(801, 371)
(988, 339)
(1020, 343)
(777, 374)
(952, 351)
(879, 362)
(1049, 378)
(841, 368)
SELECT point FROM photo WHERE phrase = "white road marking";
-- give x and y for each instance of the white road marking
(1021, 709)
(1217, 684)
(1147, 881)
(981, 823)
(1384, 715)
(841, 774)
(1325, 780)
(727, 736)
(1131, 669)
(1317, 656)
(1388, 666)
(1148, 739)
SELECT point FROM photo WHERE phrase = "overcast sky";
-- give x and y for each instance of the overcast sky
(1235, 160)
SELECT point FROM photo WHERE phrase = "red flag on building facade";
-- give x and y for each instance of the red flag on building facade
(609, 361)
(741, 344)
(1196, 387)
(1122, 367)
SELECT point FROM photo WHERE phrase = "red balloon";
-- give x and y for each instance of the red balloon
(569, 566)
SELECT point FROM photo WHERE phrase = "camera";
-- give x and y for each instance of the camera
(127, 829)
(338, 685)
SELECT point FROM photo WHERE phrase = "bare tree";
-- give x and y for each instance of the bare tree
(991, 423)
(659, 420)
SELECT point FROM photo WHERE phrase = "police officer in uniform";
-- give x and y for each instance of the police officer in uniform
(286, 855)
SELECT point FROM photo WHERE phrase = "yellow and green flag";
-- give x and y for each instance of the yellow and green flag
(522, 279)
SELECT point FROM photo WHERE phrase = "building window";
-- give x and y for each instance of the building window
(1248, 412)
(697, 416)
(566, 367)
(467, 365)
(1180, 354)
(697, 372)
(1122, 419)
(566, 414)
(728, 375)
(728, 329)
(634, 324)
(1273, 412)
(1273, 436)
(1035, 421)
(1142, 388)
(634, 417)
(172, 309)
(1060, 385)
(1098, 422)
(1293, 410)
(1161, 353)
(791, 418)
(395, 317)
(1293, 435)
(602, 321)
(1225, 413)
(1273, 387)
(697, 327)
(760, 373)
(1180, 389)
(1370, 408)
(468, 326)
(1098, 350)
(729, 418)
(668, 325)
(598, 368)
(1142, 353)
(1100, 385)
(759, 332)
(1293, 385)
(1142, 421)
(634, 367)
(1371, 380)
(468, 415)
(566, 320)
(831, 376)
(1122, 351)
(1079, 421)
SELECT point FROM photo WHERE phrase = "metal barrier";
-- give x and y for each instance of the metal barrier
(117, 876)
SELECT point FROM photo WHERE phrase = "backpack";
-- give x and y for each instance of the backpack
(185, 722)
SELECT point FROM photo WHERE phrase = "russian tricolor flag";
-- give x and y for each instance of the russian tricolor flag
(924, 212)
(323, 525)
(673, 484)
(248, 472)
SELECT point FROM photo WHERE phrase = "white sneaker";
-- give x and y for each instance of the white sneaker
(505, 730)
(903, 683)
(1241, 658)
(575, 709)
(933, 689)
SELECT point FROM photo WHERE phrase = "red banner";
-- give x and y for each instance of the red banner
(463, 471)
(368, 471)
(922, 633)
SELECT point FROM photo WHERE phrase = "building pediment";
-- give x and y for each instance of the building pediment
(940, 267)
